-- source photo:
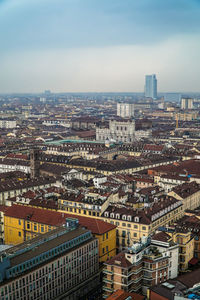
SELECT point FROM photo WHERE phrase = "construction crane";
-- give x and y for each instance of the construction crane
(176, 121)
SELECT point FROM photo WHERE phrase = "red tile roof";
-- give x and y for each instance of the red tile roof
(122, 295)
(119, 260)
(53, 218)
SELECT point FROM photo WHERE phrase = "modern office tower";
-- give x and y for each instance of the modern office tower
(150, 89)
(60, 264)
(187, 103)
(125, 110)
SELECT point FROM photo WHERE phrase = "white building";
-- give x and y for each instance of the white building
(5, 123)
(163, 242)
(99, 180)
(125, 110)
(187, 103)
(118, 131)
(143, 134)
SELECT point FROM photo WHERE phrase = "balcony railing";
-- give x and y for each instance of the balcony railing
(107, 272)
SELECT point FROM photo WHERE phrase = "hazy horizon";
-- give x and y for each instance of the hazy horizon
(76, 46)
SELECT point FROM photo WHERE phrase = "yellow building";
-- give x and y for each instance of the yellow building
(188, 193)
(22, 223)
(90, 205)
(132, 224)
(185, 240)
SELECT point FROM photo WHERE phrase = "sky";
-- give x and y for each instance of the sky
(99, 45)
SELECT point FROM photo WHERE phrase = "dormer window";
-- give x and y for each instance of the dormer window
(112, 215)
(129, 218)
(106, 214)
(124, 217)
(117, 216)
(137, 219)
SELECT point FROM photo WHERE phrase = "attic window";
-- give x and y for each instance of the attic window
(117, 216)
(136, 219)
(129, 218)
(106, 214)
(112, 215)
(124, 217)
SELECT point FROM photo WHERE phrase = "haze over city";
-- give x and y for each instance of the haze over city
(99, 46)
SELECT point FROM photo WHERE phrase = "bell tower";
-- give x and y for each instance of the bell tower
(35, 163)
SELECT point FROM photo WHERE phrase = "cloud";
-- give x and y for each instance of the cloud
(82, 23)
(98, 45)
(114, 68)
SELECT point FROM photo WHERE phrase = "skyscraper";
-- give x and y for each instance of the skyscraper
(150, 89)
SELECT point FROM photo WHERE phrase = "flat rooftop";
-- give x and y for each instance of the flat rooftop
(34, 249)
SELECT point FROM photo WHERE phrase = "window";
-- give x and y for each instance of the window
(42, 228)
(35, 227)
(106, 248)
(143, 227)
(28, 225)
(135, 226)
(19, 222)
(123, 233)
(19, 233)
(135, 234)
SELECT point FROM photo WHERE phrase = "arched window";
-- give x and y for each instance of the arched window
(137, 219)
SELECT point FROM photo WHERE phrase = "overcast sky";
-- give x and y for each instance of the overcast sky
(99, 45)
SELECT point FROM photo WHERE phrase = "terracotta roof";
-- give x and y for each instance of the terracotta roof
(152, 147)
(119, 260)
(189, 279)
(53, 218)
(161, 236)
(122, 295)
(186, 189)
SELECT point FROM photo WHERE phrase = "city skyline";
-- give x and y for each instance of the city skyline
(92, 46)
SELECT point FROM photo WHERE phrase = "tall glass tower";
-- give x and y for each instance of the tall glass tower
(150, 89)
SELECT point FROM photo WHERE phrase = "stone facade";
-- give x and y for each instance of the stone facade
(118, 131)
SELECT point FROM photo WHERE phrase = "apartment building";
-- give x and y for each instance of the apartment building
(13, 188)
(135, 269)
(188, 193)
(61, 264)
(22, 223)
(133, 224)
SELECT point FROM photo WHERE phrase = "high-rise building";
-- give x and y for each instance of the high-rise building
(60, 264)
(150, 89)
(187, 103)
(125, 110)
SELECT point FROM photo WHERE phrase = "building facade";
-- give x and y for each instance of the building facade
(118, 131)
(61, 264)
(135, 269)
(187, 103)
(125, 110)
(151, 86)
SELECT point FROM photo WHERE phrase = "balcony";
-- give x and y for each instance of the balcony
(107, 280)
(107, 289)
(108, 272)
